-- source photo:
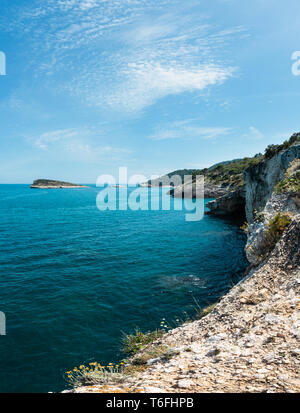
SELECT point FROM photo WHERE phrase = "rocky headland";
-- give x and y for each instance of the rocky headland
(219, 180)
(249, 340)
(258, 181)
(52, 184)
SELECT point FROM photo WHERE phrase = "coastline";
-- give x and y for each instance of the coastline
(248, 342)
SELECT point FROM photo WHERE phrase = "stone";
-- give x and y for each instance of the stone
(271, 318)
(185, 383)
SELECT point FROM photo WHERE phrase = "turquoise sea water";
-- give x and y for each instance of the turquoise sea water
(74, 278)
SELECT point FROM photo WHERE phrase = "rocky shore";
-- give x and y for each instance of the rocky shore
(191, 190)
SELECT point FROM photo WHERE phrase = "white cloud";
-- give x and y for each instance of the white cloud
(125, 54)
(188, 129)
(144, 84)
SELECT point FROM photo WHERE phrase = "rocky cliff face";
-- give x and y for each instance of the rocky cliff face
(262, 178)
(232, 203)
(265, 225)
(195, 190)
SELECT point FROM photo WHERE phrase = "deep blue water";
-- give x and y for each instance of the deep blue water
(74, 278)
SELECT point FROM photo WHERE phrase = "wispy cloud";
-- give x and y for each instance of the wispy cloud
(188, 129)
(254, 134)
(145, 83)
(47, 139)
(112, 54)
(76, 145)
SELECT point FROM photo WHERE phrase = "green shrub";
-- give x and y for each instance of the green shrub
(133, 343)
(230, 173)
(289, 185)
(275, 229)
(274, 149)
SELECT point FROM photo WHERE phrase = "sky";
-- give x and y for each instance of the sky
(152, 85)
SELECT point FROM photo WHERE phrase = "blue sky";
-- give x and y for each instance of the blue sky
(154, 85)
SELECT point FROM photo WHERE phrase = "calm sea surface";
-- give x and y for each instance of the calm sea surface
(74, 278)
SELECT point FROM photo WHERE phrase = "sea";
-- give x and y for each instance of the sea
(76, 279)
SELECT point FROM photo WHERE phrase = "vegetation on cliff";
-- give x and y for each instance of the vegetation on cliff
(275, 228)
(133, 343)
(164, 179)
(291, 181)
(274, 149)
(229, 173)
(94, 374)
(226, 174)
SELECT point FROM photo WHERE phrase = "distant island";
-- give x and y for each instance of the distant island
(51, 184)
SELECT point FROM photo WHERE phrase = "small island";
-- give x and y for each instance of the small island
(51, 184)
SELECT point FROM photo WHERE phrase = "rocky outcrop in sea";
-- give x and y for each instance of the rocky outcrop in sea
(52, 184)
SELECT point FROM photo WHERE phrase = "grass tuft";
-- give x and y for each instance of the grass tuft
(158, 352)
(134, 343)
(205, 311)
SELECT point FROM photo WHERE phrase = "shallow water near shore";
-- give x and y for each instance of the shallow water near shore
(74, 278)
